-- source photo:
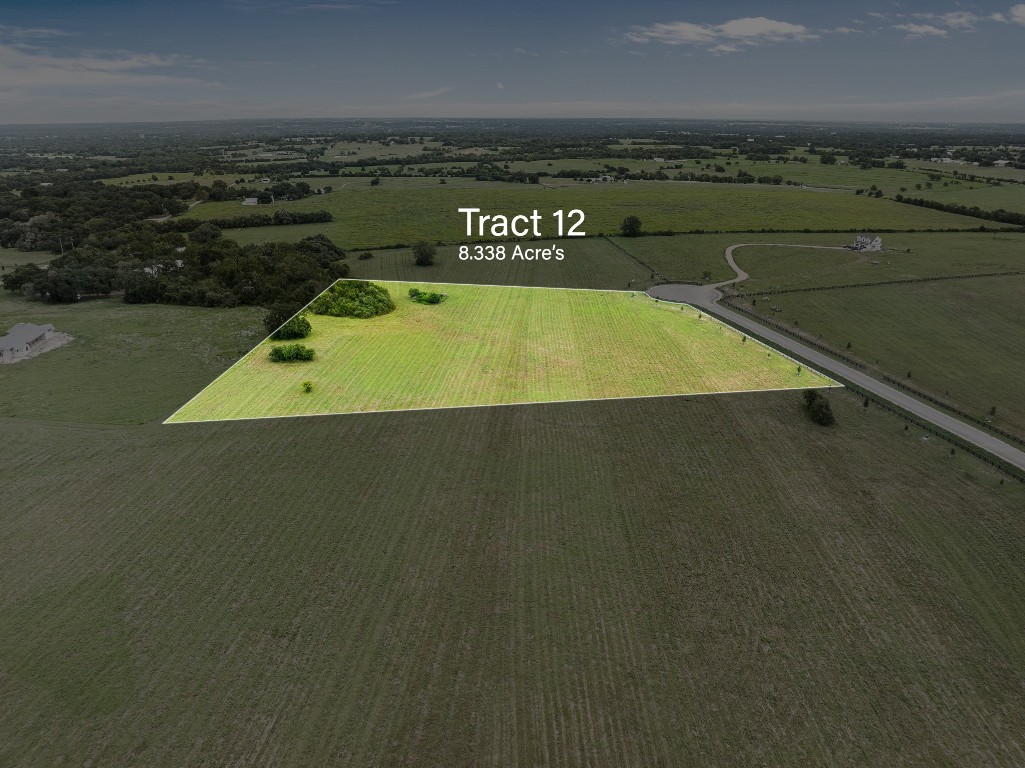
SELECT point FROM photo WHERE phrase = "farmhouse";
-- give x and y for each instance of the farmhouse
(867, 242)
(21, 339)
(249, 201)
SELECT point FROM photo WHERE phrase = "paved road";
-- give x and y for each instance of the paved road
(704, 297)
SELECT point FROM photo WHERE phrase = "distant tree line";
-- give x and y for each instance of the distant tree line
(1005, 217)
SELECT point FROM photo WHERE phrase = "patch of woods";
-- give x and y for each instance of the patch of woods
(818, 408)
(66, 214)
(353, 298)
(205, 272)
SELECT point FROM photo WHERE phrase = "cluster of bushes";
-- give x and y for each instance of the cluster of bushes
(291, 353)
(818, 408)
(353, 298)
(297, 327)
(426, 297)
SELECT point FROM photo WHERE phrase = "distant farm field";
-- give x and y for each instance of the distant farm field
(380, 216)
(1009, 197)
(588, 263)
(491, 345)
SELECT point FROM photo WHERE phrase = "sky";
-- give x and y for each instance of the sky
(73, 61)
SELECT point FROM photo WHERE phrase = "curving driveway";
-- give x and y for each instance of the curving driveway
(705, 297)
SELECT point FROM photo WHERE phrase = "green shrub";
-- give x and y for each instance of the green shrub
(353, 298)
(426, 297)
(296, 328)
(307, 387)
(291, 353)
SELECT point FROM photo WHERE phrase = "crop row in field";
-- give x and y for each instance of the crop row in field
(491, 345)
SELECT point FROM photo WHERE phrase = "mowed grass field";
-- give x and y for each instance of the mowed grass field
(961, 340)
(379, 216)
(498, 345)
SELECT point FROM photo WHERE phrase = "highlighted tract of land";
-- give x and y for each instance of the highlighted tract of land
(497, 345)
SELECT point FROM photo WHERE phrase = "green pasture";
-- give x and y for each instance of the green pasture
(588, 263)
(633, 582)
(961, 340)
(1009, 197)
(490, 345)
(113, 371)
(988, 173)
(907, 255)
(13, 257)
(383, 216)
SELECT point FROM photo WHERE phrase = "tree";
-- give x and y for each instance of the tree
(827, 159)
(296, 328)
(204, 233)
(818, 408)
(424, 253)
(278, 314)
(631, 226)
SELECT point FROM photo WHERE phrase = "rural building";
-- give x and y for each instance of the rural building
(21, 339)
(867, 243)
(249, 201)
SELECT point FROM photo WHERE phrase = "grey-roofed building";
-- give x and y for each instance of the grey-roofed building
(21, 339)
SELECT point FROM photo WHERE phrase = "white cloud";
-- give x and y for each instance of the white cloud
(846, 31)
(500, 86)
(24, 33)
(921, 30)
(960, 20)
(1016, 14)
(29, 67)
(524, 52)
(429, 94)
(728, 37)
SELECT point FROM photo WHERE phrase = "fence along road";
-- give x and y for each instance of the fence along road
(705, 298)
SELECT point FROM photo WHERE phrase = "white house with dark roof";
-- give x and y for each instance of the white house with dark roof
(21, 339)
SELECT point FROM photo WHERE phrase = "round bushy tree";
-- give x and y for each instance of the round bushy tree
(424, 253)
(296, 328)
(631, 226)
(353, 298)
